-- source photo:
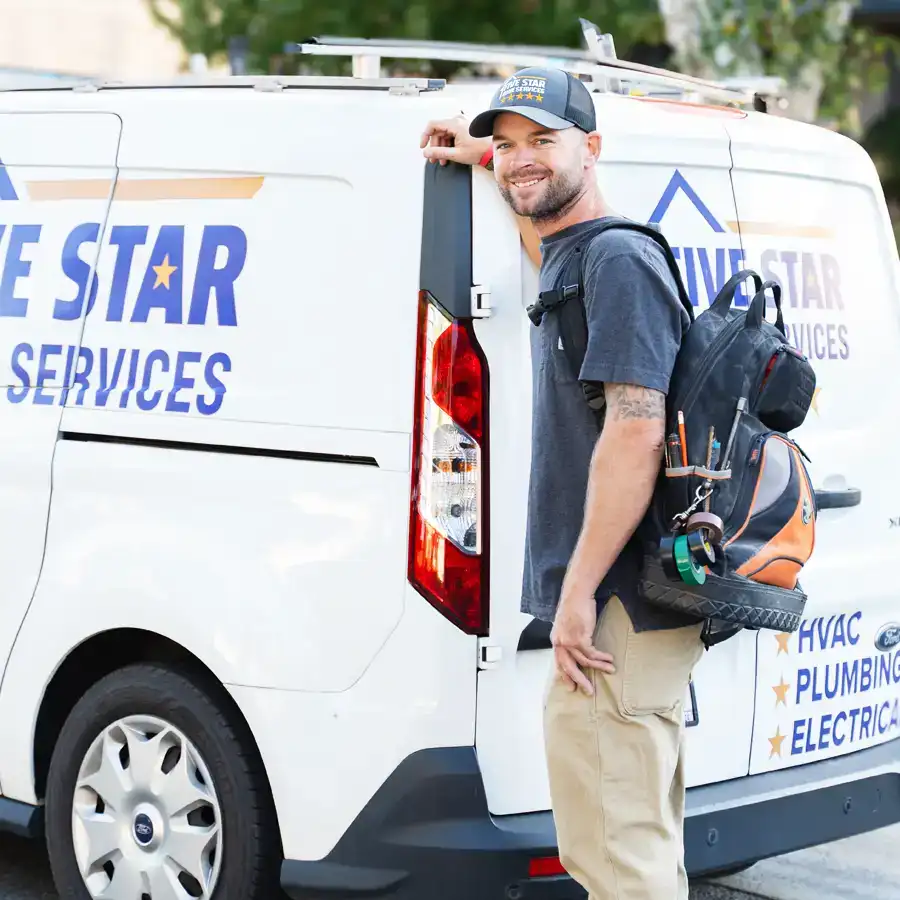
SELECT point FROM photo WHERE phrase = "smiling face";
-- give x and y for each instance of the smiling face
(542, 173)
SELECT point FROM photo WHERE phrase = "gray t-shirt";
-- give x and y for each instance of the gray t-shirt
(635, 326)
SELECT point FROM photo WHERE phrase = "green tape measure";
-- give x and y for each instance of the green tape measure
(689, 569)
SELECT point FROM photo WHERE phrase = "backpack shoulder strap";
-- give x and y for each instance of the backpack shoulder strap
(572, 317)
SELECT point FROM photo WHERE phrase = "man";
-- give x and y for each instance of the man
(613, 714)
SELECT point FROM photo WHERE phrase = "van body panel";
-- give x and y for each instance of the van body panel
(833, 687)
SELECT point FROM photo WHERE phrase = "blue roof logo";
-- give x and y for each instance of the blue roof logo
(679, 183)
(7, 190)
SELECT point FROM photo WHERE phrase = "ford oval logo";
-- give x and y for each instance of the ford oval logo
(888, 637)
(143, 829)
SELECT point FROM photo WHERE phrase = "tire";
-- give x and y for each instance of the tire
(218, 825)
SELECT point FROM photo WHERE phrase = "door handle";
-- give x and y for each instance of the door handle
(838, 499)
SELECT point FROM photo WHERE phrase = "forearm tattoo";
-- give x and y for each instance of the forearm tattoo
(628, 401)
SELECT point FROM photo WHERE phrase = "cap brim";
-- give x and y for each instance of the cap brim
(483, 124)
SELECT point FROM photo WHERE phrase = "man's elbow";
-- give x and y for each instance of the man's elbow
(643, 437)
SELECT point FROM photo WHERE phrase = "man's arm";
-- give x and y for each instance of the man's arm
(447, 140)
(634, 333)
(623, 472)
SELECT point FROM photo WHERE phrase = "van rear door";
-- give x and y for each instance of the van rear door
(57, 172)
(660, 162)
(816, 222)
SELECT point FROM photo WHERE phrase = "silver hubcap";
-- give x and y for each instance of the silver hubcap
(146, 822)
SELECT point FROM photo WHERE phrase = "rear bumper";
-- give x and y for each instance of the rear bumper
(428, 832)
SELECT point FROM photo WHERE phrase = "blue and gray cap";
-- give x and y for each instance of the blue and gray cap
(550, 97)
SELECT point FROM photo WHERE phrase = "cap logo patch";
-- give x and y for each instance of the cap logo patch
(518, 88)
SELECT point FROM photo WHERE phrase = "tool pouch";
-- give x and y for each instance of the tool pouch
(787, 389)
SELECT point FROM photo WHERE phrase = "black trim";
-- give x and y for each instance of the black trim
(428, 832)
(446, 260)
(536, 635)
(838, 499)
(21, 819)
(306, 456)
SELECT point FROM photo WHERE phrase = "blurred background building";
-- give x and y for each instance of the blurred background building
(108, 38)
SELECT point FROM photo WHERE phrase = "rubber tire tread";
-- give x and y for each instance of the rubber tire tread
(252, 855)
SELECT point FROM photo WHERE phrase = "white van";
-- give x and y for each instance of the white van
(263, 463)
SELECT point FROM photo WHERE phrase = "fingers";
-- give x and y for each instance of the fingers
(593, 659)
(435, 153)
(444, 127)
(570, 672)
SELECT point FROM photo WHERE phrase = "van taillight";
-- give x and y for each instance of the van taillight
(448, 527)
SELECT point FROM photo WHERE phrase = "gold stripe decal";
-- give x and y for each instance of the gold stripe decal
(224, 188)
(777, 229)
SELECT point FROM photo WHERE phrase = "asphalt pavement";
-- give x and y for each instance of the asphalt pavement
(861, 868)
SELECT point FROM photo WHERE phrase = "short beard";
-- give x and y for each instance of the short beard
(560, 196)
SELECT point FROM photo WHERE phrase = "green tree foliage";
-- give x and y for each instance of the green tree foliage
(206, 26)
(783, 37)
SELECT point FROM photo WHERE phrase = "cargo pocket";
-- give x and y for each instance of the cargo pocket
(657, 668)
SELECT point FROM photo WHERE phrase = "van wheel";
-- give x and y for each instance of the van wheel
(153, 794)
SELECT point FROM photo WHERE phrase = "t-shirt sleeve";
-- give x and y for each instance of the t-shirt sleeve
(634, 315)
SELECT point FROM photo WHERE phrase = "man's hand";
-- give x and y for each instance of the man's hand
(572, 638)
(447, 140)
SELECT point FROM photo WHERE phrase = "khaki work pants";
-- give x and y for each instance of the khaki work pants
(616, 762)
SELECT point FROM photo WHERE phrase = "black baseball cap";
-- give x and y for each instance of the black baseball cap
(551, 97)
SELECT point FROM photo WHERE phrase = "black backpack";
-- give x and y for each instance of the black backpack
(732, 519)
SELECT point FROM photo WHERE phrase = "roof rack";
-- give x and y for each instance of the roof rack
(598, 64)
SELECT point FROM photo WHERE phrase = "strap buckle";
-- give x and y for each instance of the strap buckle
(549, 300)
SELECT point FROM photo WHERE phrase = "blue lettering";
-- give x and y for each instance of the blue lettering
(789, 258)
(810, 741)
(854, 714)
(806, 633)
(895, 715)
(84, 353)
(818, 331)
(141, 396)
(884, 671)
(840, 636)
(803, 682)
(885, 708)
(76, 269)
(161, 287)
(207, 408)
(865, 721)
(853, 637)
(736, 258)
(107, 383)
(70, 355)
(824, 731)
(831, 277)
(798, 736)
(15, 268)
(812, 293)
(840, 717)
(16, 395)
(831, 692)
(865, 679)
(849, 677)
(221, 279)
(132, 378)
(126, 238)
(691, 273)
(44, 374)
(181, 382)
(842, 337)
(816, 693)
(824, 636)
(713, 284)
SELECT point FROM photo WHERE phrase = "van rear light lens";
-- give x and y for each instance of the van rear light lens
(447, 558)
(545, 867)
